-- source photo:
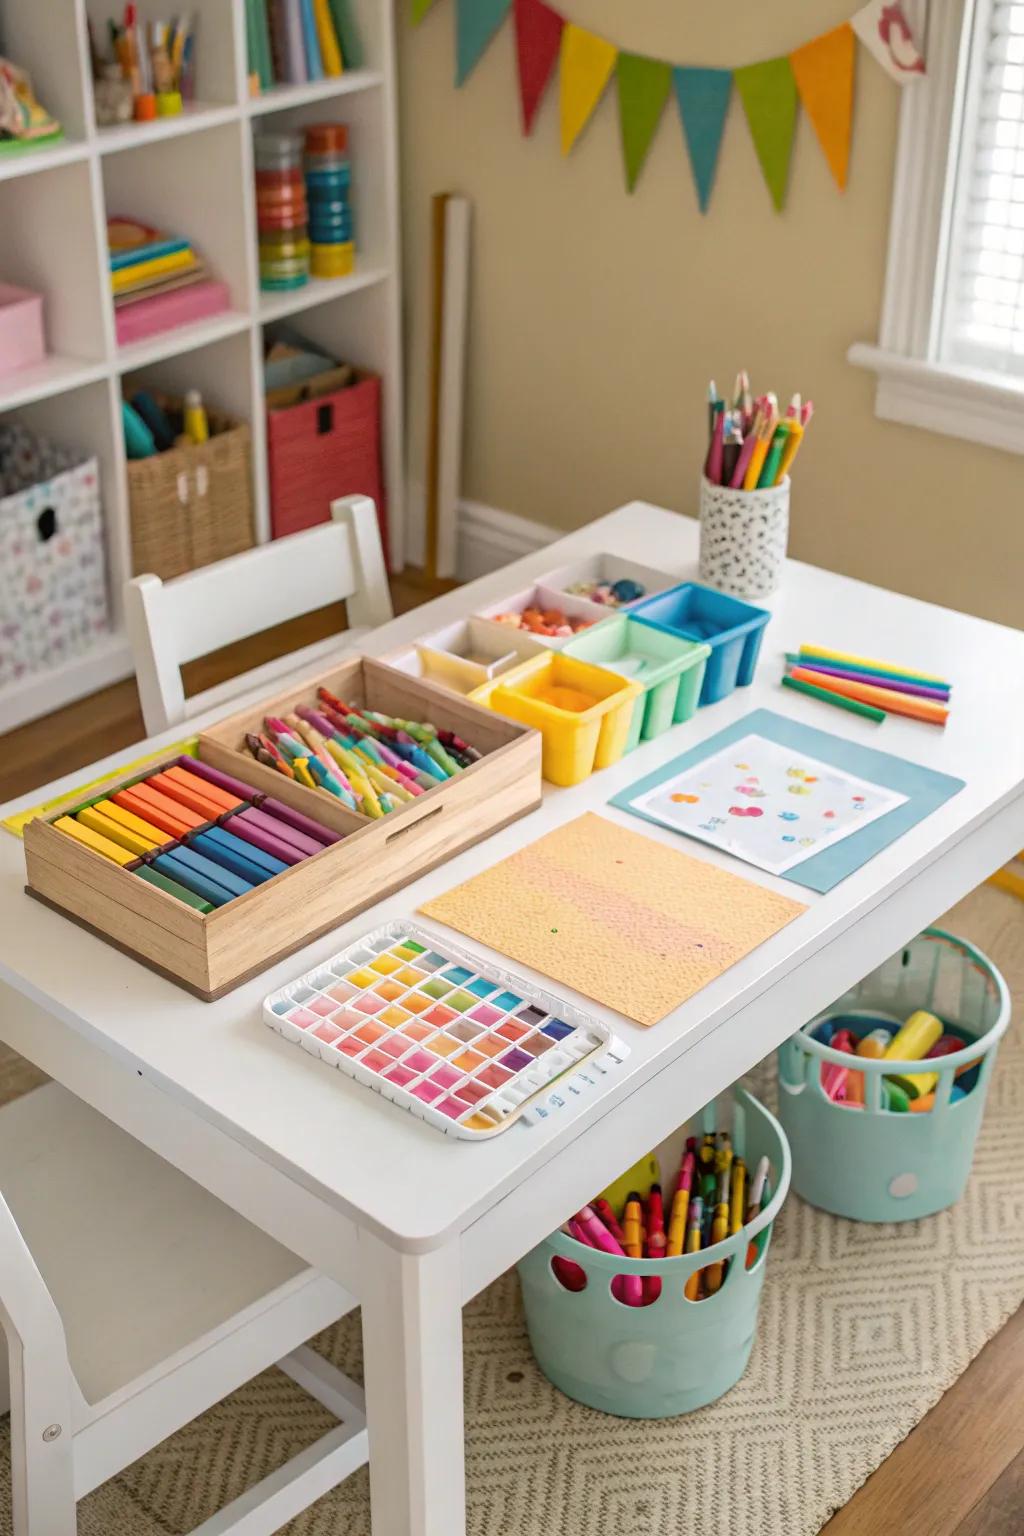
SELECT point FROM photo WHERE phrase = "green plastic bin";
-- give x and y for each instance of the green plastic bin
(870, 1163)
(669, 669)
(674, 1355)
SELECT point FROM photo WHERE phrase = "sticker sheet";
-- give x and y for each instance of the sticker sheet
(767, 804)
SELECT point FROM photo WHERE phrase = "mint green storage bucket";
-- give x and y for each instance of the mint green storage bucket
(669, 668)
(871, 1164)
(674, 1355)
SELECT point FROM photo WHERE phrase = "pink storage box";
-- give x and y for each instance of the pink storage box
(21, 328)
(166, 311)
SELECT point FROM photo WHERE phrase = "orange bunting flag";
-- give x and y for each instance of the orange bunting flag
(587, 63)
(824, 71)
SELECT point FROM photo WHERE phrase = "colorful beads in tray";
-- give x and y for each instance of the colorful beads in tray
(546, 621)
(611, 594)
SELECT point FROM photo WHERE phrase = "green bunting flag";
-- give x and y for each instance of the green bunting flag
(419, 10)
(769, 96)
(476, 22)
(643, 86)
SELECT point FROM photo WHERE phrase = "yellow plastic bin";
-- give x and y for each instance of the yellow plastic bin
(582, 712)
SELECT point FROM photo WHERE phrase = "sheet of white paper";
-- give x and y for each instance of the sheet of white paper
(766, 804)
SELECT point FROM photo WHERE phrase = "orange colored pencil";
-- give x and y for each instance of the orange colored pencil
(882, 698)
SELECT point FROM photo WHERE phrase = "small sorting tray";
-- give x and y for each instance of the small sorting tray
(468, 1047)
(466, 654)
(543, 597)
(733, 629)
(608, 569)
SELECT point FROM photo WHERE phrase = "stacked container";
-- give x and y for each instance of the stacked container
(328, 183)
(281, 211)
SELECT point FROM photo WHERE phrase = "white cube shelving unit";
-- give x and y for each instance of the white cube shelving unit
(192, 174)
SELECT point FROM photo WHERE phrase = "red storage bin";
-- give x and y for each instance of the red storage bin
(322, 449)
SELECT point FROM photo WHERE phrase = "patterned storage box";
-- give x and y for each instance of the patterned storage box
(53, 588)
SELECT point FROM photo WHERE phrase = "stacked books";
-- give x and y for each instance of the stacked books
(158, 281)
(146, 261)
(292, 41)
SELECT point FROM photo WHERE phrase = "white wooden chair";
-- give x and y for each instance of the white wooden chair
(171, 622)
(131, 1301)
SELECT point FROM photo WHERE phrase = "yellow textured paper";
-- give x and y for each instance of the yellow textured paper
(586, 67)
(613, 914)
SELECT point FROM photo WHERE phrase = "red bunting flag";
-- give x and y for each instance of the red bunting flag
(538, 39)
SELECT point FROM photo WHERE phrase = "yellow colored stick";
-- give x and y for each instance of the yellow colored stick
(789, 453)
(844, 659)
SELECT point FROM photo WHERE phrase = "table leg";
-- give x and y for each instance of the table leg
(412, 1344)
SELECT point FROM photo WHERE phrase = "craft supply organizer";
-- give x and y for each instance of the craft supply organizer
(462, 1044)
(209, 953)
(865, 1162)
(673, 1355)
(669, 669)
(734, 631)
(583, 712)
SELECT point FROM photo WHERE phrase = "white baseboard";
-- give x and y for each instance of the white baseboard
(487, 537)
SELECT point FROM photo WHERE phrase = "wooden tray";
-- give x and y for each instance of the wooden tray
(210, 953)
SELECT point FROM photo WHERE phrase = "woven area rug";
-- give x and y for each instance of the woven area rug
(861, 1331)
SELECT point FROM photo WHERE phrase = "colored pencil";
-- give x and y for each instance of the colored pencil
(919, 690)
(882, 698)
(866, 664)
(854, 706)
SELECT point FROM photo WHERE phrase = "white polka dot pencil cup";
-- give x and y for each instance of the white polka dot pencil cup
(743, 537)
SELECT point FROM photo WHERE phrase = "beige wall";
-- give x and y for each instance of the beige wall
(597, 318)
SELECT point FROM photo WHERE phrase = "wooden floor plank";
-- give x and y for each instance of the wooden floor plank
(943, 1471)
(1001, 1511)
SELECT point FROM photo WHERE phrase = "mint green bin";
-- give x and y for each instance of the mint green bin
(869, 1163)
(669, 668)
(675, 1355)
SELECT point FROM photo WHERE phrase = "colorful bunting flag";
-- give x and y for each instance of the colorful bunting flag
(419, 10)
(820, 75)
(703, 97)
(476, 22)
(538, 39)
(823, 71)
(586, 67)
(883, 28)
(643, 85)
(768, 93)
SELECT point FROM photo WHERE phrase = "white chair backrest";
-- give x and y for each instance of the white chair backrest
(172, 622)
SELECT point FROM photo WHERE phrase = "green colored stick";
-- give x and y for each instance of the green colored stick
(840, 700)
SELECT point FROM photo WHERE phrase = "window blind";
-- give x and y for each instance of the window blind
(983, 313)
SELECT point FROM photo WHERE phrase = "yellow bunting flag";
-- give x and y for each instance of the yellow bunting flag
(587, 64)
(823, 70)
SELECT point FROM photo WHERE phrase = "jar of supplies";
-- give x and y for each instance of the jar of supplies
(328, 189)
(281, 211)
(880, 1139)
(672, 1353)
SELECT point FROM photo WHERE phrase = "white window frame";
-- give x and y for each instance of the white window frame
(914, 386)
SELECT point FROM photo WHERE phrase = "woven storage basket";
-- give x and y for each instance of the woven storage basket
(192, 505)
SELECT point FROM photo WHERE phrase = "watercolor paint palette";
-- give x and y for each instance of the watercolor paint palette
(468, 1048)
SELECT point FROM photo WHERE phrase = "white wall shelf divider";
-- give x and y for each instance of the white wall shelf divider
(192, 174)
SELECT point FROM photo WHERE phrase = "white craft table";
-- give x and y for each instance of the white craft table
(412, 1223)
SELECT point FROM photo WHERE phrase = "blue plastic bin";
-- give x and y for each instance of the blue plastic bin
(673, 1355)
(733, 629)
(872, 1164)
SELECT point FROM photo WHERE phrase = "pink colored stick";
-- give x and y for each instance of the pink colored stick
(594, 1227)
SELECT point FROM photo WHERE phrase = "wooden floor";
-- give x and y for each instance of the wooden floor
(960, 1472)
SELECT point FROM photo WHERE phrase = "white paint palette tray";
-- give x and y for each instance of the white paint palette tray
(469, 1048)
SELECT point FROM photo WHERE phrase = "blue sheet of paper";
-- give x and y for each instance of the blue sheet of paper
(925, 790)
